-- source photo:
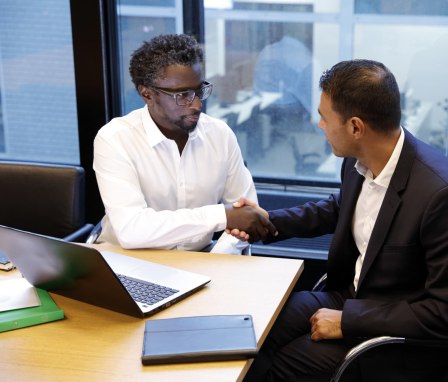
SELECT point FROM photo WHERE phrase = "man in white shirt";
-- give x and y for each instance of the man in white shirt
(165, 172)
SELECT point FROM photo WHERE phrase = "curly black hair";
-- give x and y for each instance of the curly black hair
(148, 61)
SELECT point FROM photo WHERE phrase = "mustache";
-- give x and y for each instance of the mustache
(185, 118)
(194, 114)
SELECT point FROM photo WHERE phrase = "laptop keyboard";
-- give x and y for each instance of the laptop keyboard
(144, 291)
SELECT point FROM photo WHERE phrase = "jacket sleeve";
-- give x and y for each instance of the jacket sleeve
(310, 219)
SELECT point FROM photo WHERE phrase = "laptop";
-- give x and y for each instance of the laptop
(98, 278)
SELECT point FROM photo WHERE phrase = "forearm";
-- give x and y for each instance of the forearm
(147, 228)
(309, 220)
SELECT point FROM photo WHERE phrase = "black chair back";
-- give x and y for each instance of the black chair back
(42, 198)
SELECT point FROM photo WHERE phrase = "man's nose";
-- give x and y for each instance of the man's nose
(197, 103)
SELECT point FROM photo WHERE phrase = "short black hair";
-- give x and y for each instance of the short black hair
(149, 61)
(366, 89)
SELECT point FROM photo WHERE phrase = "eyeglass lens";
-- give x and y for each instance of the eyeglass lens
(186, 98)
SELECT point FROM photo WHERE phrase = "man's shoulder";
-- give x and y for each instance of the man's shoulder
(431, 159)
(207, 120)
(125, 123)
(211, 125)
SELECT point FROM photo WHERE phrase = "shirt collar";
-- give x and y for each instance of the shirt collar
(153, 133)
(384, 177)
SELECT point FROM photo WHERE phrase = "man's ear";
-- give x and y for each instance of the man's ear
(357, 127)
(144, 92)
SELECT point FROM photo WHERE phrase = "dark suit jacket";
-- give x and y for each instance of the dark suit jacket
(403, 286)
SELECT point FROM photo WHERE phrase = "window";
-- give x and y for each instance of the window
(2, 124)
(140, 21)
(265, 59)
(38, 117)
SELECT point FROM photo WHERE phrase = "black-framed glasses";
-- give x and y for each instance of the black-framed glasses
(186, 97)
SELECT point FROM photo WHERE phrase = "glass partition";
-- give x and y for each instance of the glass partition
(266, 57)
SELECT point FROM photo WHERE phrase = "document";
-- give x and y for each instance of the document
(17, 294)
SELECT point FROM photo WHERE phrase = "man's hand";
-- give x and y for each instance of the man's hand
(326, 325)
(246, 202)
(247, 221)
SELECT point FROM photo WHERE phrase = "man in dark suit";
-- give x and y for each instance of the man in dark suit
(388, 261)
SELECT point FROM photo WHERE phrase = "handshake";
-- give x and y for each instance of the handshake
(248, 222)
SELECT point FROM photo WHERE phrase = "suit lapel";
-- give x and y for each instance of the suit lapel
(391, 203)
(343, 252)
(351, 190)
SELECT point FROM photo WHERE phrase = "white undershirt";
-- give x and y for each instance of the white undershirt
(156, 198)
(369, 203)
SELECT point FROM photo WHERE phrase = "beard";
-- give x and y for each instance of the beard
(188, 122)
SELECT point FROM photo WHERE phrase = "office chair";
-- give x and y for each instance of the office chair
(376, 344)
(45, 199)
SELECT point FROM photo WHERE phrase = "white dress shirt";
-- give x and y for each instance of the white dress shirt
(156, 198)
(369, 203)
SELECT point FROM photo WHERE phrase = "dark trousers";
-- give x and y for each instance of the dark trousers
(289, 354)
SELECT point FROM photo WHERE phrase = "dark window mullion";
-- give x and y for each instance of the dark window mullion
(193, 11)
(90, 91)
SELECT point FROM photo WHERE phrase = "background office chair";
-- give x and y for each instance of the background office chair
(354, 369)
(44, 198)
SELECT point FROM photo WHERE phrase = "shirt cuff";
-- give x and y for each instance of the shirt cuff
(216, 215)
(230, 245)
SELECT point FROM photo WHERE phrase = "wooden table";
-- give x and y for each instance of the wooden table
(95, 344)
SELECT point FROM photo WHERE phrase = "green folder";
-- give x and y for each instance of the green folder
(21, 318)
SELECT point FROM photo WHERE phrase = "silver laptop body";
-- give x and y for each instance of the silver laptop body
(87, 275)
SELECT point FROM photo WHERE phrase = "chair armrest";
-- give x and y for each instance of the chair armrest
(247, 251)
(80, 234)
(362, 348)
(94, 234)
(320, 284)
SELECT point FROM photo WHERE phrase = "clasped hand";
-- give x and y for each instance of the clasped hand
(248, 222)
(326, 324)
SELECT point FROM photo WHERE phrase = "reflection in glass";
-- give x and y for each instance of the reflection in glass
(136, 27)
(265, 85)
(145, 3)
(2, 126)
(417, 56)
(265, 60)
(402, 7)
(312, 6)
